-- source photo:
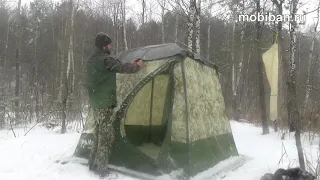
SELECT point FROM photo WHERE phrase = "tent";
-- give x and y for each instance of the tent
(170, 115)
(271, 65)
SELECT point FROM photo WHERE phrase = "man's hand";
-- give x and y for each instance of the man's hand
(138, 62)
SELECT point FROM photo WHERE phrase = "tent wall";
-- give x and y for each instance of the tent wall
(150, 98)
(206, 103)
(210, 134)
(145, 118)
(126, 82)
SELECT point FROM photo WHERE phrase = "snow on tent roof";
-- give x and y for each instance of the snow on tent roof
(152, 52)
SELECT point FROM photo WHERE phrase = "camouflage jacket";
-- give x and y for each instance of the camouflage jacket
(101, 78)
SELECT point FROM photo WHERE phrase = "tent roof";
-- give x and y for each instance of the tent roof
(160, 51)
(152, 52)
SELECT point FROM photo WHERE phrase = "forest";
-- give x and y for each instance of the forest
(44, 46)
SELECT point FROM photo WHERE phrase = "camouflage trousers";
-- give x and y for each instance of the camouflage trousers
(104, 136)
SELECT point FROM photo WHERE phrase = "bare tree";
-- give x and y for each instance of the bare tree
(308, 85)
(163, 7)
(293, 112)
(233, 6)
(283, 66)
(18, 54)
(265, 128)
(3, 76)
(177, 7)
(241, 60)
(143, 15)
(197, 26)
(66, 62)
(191, 16)
(124, 24)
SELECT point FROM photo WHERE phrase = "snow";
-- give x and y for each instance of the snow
(32, 157)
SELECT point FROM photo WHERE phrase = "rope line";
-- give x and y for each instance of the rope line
(55, 161)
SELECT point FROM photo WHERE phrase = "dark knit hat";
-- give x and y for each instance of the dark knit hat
(102, 39)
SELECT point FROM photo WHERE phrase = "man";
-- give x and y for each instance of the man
(101, 81)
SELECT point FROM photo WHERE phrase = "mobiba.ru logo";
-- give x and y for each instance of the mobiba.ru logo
(271, 17)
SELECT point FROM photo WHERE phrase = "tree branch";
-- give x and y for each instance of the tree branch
(305, 13)
(276, 2)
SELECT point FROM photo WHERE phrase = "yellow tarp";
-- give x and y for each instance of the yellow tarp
(271, 62)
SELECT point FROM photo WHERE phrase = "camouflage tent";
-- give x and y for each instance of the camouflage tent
(170, 115)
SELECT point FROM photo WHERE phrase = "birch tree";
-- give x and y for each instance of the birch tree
(143, 15)
(265, 128)
(308, 85)
(282, 70)
(293, 112)
(177, 7)
(209, 29)
(18, 54)
(34, 85)
(123, 4)
(191, 16)
(197, 26)
(241, 60)
(233, 6)
(66, 61)
(163, 7)
(3, 73)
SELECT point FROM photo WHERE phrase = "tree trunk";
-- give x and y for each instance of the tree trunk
(163, 20)
(35, 72)
(66, 80)
(124, 25)
(197, 26)
(3, 81)
(18, 51)
(265, 128)
(314, 39)
(192, 11)
(293, 112)
(234, 87)
(177, 23)
(282, 110)
(71, 49)
(209, 36)
(143, 11)
(240, 66)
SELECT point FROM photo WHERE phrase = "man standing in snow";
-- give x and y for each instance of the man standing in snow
(101, 81)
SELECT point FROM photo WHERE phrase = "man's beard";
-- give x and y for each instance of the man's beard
(107, 51)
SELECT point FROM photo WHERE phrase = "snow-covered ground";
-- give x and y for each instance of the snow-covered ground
(32, 157)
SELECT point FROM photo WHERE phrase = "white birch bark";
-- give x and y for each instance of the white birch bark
(191, 16)
(124, 25)
(209, 36)
(163, 6)
(233, 61)
(293, 111)
(314, 38)
(240, 64)
(197, 26)
(70, 66)
(143, 11)
(177, 21)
